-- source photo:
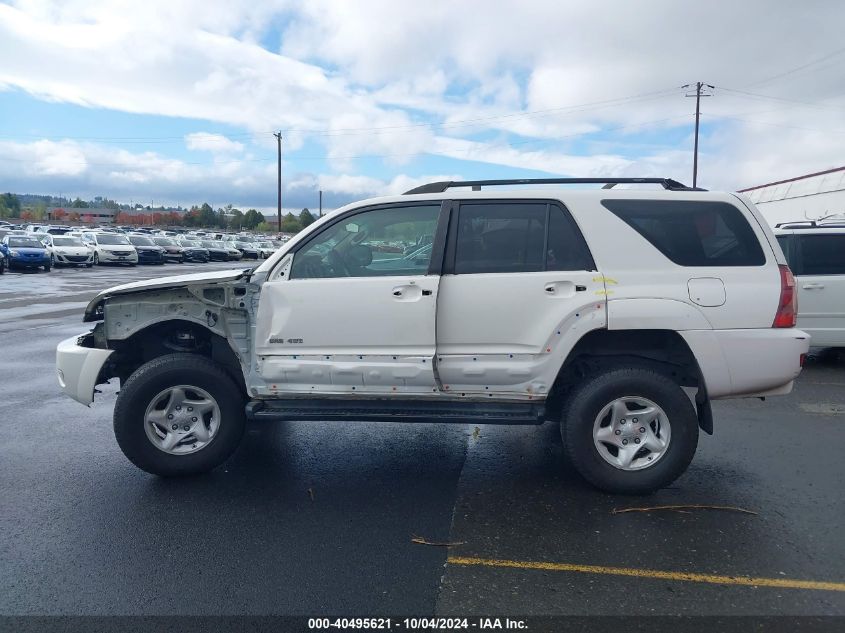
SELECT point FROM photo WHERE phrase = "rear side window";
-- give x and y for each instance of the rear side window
(517, 237)
(692, 233)
(822, 254)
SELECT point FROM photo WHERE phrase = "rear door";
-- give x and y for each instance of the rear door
(820, 277)
(518, 280)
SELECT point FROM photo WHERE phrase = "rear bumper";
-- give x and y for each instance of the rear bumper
(77, 368)
(748, 363)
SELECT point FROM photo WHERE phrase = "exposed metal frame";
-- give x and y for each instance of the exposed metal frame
(609, 183)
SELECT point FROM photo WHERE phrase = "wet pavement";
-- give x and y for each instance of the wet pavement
(317, 518)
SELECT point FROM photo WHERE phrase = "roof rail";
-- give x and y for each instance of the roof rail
(810, 224)
(609, 183)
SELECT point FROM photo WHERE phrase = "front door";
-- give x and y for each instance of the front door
(357, 311)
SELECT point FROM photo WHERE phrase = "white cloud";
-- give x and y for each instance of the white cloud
(389, 65)
(214, 143)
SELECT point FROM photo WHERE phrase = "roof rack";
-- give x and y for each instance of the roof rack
(810, 224)
(609, 183)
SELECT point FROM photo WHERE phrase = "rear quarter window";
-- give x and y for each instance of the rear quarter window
(692, 233)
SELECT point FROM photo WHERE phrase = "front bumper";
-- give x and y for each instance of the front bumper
(107, 257)
(78, 367)
(150, 257)
(28, 262)
(75, 260)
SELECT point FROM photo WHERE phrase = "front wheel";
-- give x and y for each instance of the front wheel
(179, 414)
(630, 430)
(96, 259)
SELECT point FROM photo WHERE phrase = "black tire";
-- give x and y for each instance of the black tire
(96, 259)
(151, 379)
(89, 265)
(47, 268)
(590, 397)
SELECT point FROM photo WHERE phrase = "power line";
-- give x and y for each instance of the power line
(483, 144)
(772, 123)
(783, 99)
(342, 131)
(798, 68)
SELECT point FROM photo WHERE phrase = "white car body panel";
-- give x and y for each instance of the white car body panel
(78, 367)
(371, 334)
(509, 333)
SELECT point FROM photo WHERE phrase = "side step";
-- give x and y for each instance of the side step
(372, 410)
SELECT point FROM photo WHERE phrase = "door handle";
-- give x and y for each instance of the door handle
(397, 293)
(813, 286)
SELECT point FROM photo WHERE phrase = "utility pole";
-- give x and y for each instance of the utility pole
(699, 87)
(278, 136)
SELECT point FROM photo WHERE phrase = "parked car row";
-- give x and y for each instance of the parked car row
(40, 249)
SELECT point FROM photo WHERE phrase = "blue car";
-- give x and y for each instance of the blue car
(23, 251)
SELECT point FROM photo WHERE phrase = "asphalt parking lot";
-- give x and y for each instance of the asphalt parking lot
(312, 518)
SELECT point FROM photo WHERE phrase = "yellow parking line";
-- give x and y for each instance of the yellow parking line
(783, 583)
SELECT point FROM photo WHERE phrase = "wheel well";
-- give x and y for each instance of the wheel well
(169, 337)
(664, 351)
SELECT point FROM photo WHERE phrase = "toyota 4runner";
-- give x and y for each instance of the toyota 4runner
(618, 313)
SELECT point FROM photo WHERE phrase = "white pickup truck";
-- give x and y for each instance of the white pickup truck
(617, 313)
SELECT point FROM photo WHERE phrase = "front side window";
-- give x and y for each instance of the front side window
(822, 254)
(376, 243)
(692, 233)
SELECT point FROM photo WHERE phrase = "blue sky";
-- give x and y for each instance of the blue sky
(176, 102)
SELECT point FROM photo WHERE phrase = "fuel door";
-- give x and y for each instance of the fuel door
(708, 292)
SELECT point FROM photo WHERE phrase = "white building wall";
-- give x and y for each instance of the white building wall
(813, 198)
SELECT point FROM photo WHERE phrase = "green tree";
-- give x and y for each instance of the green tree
(10, 206)
(206, 217)
(237, 220)
(306, 218)
(79, 203)
(290, 224)
(252, 219)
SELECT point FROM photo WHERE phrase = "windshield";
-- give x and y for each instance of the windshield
(265, 245)
(112, 240)
(141, 241)
(24, 242)
(209, 244)
(67, 241)
(164, 241)
(190, 243)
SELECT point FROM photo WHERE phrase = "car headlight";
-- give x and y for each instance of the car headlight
(14, 253)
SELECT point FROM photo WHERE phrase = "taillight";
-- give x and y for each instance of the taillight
(788, 304)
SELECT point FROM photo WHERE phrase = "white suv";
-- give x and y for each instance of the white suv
(619, 314)
(816, 254)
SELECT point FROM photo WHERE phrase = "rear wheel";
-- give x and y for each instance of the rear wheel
(630, 430)
(179, 414)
